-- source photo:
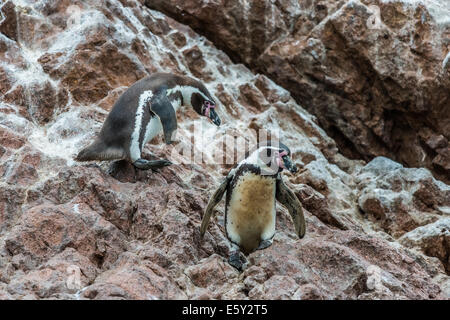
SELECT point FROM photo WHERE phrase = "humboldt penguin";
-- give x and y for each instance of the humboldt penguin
(252, 188)
(141, 112)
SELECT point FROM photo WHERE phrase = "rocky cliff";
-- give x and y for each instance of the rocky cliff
(374, 72)
(346, 96)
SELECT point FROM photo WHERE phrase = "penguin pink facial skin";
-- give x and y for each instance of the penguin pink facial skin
(209, 111)
(277, 158)
(285, 162)
(280, 158)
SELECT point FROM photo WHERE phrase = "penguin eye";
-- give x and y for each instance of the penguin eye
(209, 104)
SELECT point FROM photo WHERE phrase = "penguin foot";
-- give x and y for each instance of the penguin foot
(151, 164)
(264, 244)
(236, 260)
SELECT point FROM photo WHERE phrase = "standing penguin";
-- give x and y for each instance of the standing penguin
(253, 187)
(140, 113)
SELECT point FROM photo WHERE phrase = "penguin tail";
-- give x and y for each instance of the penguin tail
(98, 151)
(91, 152)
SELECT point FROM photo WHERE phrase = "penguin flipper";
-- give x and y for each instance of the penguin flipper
(287, 198)
(217, 196)
(162, 107)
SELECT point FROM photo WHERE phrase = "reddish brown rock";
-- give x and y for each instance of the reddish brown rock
(99, 68)
(10, 139)
(46, 101)
(130, 278)
(276, 288)
(442, 159)
(433, 239)
(400, 199)
(252, 98)
(18, 97)
(46, 230)
(8, 26)
(212, 273)
(106, 230)
(371, 90)
(196, 63)
(10, 52)
(53, 236)
(60, 278)
(11, 200)
(316, 203)
(354, 255)
(5, 85)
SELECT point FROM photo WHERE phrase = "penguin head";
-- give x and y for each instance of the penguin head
(204, 104)
(274, 157)
(283, 159)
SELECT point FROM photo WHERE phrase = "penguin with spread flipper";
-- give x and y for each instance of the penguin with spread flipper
(252, 188)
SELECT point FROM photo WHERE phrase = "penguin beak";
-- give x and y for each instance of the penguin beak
(288, 164)
(211, 113)
(214, 117)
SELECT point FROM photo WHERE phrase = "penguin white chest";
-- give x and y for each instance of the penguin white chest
(251, 211)
(154, 126)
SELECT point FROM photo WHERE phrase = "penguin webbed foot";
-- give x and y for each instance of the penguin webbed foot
(237, 260)
(144, 164)
(264, 244)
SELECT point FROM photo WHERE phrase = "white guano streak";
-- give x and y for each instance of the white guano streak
(135, 151)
